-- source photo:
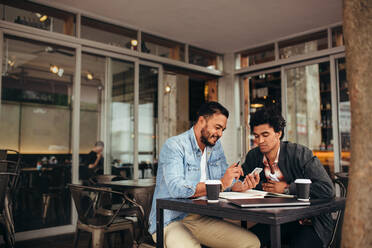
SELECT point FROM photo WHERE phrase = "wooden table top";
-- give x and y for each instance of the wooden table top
(268, 215)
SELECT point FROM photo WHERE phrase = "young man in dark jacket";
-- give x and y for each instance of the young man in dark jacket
(283, 163)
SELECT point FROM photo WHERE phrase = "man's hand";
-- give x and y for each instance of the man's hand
(274, 187)
(200, 190)
(233, 172)
(250, 182)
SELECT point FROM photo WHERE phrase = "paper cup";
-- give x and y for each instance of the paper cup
(303, 189)
(213, 190)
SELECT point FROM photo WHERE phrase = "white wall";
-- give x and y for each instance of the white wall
(228, 96)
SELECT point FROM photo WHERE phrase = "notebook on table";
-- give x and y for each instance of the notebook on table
(268, 202)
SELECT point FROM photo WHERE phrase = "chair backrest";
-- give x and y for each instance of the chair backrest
(87, 200)
(94, 204)
(4, 181)
(13, 168)
(337, 229)
(12, 160)
(107, 178)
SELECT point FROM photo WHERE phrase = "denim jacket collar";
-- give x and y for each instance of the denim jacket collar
(192, 138)
(194, 143)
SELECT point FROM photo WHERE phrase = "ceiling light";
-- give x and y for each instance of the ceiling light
(257, 105)
(167, 89)
(134, 42)
(89, 76)
(53, 69)
(60, 72)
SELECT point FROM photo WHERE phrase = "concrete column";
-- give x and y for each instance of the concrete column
(175, 105)
(228, 96)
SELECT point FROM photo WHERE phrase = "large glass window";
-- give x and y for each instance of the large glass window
(147, 119)
(38, 16)
(309, 110)
(344, 114)
(122, 116)
(108, 33)
(36, 110)
(162, 47)
(303, 44)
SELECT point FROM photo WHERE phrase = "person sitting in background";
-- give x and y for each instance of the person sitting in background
(93, 164)
(95, 158)
(283, 163)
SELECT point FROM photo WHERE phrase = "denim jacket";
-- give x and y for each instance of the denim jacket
(179, 172)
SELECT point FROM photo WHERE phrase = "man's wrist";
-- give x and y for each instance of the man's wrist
(222, 187)
(286, 189)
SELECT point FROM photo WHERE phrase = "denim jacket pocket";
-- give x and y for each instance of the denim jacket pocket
(192, 172)
(215, 169)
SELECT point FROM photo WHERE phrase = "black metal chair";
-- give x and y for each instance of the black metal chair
(101, 210)
(335, 241)
(99, 179)
(53, 187)
(8, 180)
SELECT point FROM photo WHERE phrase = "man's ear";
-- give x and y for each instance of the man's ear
(279, 134)
(201, 120)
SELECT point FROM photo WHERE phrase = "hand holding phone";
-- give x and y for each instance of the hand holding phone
(256, 170)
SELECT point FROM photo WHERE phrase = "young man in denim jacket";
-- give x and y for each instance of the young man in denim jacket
(186, 162)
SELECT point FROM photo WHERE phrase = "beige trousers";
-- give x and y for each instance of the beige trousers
(195, 230)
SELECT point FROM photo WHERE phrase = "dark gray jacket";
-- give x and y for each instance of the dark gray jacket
(297, 161)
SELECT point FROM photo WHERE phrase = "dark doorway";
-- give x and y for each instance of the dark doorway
(196, 97)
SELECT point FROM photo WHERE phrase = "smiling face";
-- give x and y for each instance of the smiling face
(212, 128)
(266, 138)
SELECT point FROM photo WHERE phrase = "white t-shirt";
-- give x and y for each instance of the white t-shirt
(203, 166)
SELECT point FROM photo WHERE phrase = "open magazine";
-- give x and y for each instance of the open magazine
(252, 194)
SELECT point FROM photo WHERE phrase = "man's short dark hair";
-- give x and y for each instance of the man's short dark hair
(99, 143)
(268, 115)
(210, 108)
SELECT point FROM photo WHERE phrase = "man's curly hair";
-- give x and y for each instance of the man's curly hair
(268, 115)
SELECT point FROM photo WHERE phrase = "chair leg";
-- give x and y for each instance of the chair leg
(76, 238)
(46, 202)
(97, 238)
(90, 240)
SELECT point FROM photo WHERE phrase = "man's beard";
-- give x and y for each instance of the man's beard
(204, 137)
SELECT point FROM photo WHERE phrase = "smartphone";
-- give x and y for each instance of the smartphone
(256, 170)
(237, 163)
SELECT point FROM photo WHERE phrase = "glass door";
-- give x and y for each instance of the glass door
(93, 79)
(121, 75)
(343, 113)
(148, 120)
(36, 119)
(309, 110)
(257, 90)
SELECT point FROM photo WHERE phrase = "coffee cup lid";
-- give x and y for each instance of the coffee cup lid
(303, 181)
(213, 182)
